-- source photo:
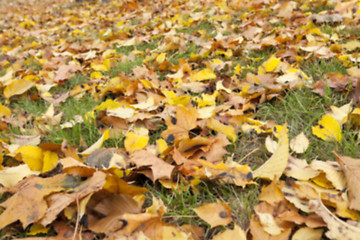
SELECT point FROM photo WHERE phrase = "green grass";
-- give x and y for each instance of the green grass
(77, 79)
(180, 205)
(302, 109)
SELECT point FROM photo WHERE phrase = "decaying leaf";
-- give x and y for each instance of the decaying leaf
(160, 168)
(351, 169)
(337, 229)
(32, 190)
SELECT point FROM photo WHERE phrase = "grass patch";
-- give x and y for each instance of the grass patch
(203, 25)
(181, 204)
(77, 79)
(125, 67)
(302, 109)
(74, 107)
(316, 68)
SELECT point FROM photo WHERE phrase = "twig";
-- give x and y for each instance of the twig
(248, 155)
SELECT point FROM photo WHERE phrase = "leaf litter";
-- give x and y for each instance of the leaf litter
(184, 73)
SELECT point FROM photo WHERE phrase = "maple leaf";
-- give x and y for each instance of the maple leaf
(179, 126)
(160, 168)
(32, 190)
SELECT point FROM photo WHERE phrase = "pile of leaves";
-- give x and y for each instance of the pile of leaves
(174, 85)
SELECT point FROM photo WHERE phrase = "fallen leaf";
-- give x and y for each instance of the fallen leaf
(98, 144)
(160, 168)
(20, 206)
(58, 201)
(236, 233)
(328, 129)
(274, 167)
(32, 156)
(203, 75)
(337, 229)
(300, 143)
(179, 126)
(351, 169)
(134, 142)
(18, 87)
(10, 176)
(215, 214)
(307, 233)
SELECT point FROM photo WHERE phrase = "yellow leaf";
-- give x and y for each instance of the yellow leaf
(328, 129)
(27, 24)
(161, 146)
(97, 145)
(32, 156)
(11, 176)
(134, 142)
(170, 232)
(161, 58)
(96, 75)
(99, 67)
(268, 223)
(215, 214)
(228, 130)
(332, 172)
(50, 161)
(18, 87)
(231, 234)
(351, 45)
(271, 64)
(4, 111)
(37, 228)
(203, 75)
(275, 166)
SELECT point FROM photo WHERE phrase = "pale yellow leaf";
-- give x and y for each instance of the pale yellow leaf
(275, 166)
(300, 143)
(11, 176)
(308, 234)
(18, 87)
(231, 234)
(97, 145)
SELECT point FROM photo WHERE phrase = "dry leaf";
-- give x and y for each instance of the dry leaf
(236, 233)
(215, 214)
(351, 169)
(274, 167)
(300, 143)
(160, 168)
(337, 229)
(32, 190)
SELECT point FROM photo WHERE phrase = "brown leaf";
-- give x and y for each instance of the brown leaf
(65, 72)
(57, 202)
(28, 204)
(160, 168)
(351, 169)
